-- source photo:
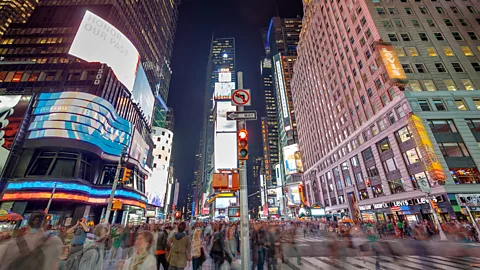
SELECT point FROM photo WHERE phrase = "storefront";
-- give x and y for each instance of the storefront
(412, 210)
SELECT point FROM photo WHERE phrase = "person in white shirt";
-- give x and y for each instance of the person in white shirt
(143, 259)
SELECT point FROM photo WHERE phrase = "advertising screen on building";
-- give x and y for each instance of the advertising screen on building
(156, 187)
(392, 63)
(318, 212)
(142, 94)
(99, 41)
(293, 196)
(225, 151)
(292, 159)
(224, 77)
(83, 117)
(224, 202)
(223, 91)
(12, 111)
(282, 90)
(139, 149)
(222, 124)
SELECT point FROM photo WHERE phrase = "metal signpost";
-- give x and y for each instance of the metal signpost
(240, 98)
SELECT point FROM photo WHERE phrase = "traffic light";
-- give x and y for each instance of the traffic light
(178, 214)
(126, 175)
(242, 139)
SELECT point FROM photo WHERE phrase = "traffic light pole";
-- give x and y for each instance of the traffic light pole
(244, 229)
(114, 187)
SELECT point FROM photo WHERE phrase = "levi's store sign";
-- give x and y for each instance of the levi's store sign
(392, 63)
(417, 201)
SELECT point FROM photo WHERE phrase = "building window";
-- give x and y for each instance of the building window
(412, 156)
(383, 145)
(399, 51)
(367, 154)
(407, 68)
(412, 51)
(466, 51)
(429, 85)
(354, 161)
(438, 36)
(415, 85)
(440, 10)
(468, 84)
(465, 175)
(457, 36)
(363, 194)
(378, 83)
(415, 23)
(477, 103)
(442, 126)
(403, 134)
(397, 23)
(377, 191)
(423, 36)
(476, 66)
(396, 186)
(440, 67)
(453, 149)
(393, 37)
(461, 104)
(431, 23)
(387, 24)
(381, 11)
(448, 22)
(420, 68)
(405, 37)
(439, 105)
(409, 11)
(471, 9)
(423, 10)
(450, 85)
(473, 124)
(463, 22)
(448, 51)
(424, 105)
(431, 51)
(472, 35)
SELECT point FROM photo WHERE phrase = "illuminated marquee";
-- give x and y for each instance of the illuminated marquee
(83, 117)
(280, 85)
(392, 63)
(429, 158)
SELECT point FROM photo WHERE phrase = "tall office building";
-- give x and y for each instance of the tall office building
(15, 11)
(280, 41)
(221, 78)
(387, 106)
(91, 104)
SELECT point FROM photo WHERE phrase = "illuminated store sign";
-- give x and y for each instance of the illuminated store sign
(429, 158)
(281, 88)
(99, 41)
(80, 116)
(410, 202)
(392, 63)
(292, 159)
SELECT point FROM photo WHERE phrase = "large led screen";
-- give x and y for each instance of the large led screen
(223, 91)
(292, 159)
(12, 111)
(139, 150)
(99, 41)
(225, 151)
(80, 116)
(222, 123)
(156, 187)
(142, 94)
(282, 90)
(224, 202)
(225, 77)
(293, 195)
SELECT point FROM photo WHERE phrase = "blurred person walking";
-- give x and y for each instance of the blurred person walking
(197, 250)
(143, 259)
(162, 248)
(79, 231)
(125, 243)
(180, 251)
(34, 250)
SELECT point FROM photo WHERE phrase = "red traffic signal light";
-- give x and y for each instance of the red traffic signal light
(178, 214)
(242, 139)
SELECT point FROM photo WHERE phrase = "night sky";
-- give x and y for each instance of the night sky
(198, 20)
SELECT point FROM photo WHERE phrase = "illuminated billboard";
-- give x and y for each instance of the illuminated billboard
(156, 187)
(392, 63)
(293, 196)
(317, 212)
(139, 149)
(142, 94)
(225, 151)
(292, 159)
(223, 91)
(222, 124)
(99, 41)
(282, 90)
(224, 202)
(429, 158)
(12, 111)
(225, 77)
(80, 116)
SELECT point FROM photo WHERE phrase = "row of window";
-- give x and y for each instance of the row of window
(37, 40)
(439, 104)
(416, 23)
(420, 67)
(429, 85)
(34, 50)
(432, 52)
(34, 76)
(423, 36)
(422, 9)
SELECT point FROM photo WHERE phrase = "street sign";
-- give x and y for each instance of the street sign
(241, 97)
(245, 115)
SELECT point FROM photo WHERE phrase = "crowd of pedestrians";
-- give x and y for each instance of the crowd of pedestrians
(190, 245)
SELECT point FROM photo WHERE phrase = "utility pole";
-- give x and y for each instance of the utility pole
(51, 198)
(114, 186)
(245, 231)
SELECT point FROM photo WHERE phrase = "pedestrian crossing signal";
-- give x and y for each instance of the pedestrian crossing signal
(126, 175)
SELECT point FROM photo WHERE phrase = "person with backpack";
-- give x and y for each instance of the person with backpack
(162, 247)
(34, 250)
(217, 252)
(180, 251)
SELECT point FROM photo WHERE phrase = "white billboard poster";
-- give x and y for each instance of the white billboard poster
(156, 187)
(224, 202)
(223, 91)
(292, 159)
(142, 94)
(225, 151)
(222, 123)
(99, 41)
(225, 77)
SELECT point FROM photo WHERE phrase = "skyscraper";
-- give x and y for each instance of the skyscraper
(221, 78)
(387, 106)
(15, 11)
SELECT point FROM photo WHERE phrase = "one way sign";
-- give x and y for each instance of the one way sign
(245, 115)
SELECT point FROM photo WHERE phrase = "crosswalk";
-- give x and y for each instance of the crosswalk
(388, 263)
